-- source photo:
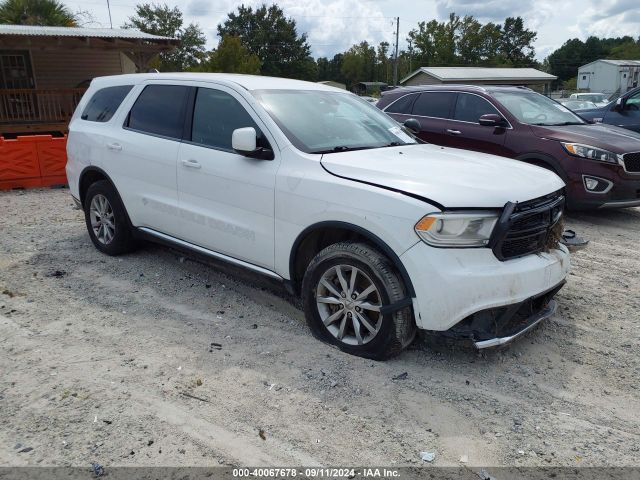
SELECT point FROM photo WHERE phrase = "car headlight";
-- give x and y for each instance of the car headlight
(457, 229)
(592, 153)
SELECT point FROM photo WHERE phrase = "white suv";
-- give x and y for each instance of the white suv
(317, 188)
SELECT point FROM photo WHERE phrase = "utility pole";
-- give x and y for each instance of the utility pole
(395, 59)
(109, 8)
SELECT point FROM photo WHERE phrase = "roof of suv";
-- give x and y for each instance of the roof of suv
(458, 88)
(249, 82)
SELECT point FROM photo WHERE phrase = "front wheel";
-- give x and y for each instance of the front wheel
(344, 289)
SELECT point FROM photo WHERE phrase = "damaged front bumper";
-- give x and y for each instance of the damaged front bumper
(498, 326)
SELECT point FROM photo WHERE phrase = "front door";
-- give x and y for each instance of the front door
(433, 111)
(227, 199)
(468, 134)
(629, 116)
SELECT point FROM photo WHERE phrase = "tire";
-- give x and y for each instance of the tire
(103, 196)
(378, 336)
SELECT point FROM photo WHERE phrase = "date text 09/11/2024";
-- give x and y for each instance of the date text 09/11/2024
(347, 473)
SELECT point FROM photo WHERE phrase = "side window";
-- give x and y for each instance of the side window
(104, 103)
(216, 115)
(159, 110)
(434, 104)
(633, 102)
(402, 105)
(469, 108)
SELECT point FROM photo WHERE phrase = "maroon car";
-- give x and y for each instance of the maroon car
(600, 164)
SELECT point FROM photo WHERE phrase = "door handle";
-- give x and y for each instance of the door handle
(114, 146)
(191, 163)
(453, 132)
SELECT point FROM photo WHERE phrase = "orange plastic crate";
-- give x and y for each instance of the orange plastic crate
(32, 161)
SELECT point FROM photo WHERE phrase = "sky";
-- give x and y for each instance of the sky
(332, 26)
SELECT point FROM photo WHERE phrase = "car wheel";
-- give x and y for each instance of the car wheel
(107, 220)
(343, 290)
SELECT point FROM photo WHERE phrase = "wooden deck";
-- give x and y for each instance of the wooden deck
(37, 110)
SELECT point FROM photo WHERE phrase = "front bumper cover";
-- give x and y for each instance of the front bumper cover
(499, 326)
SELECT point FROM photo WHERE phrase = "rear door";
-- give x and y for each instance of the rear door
(433, 110)
(141, 156)
(468, 134)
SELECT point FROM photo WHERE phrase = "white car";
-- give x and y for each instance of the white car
(309, 184)
(600, 99)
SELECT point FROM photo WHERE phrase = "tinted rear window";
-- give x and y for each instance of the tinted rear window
(104, 103)
(402, 105)
(434, 104)
(159, 110)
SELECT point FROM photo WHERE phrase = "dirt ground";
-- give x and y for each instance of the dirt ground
(156, 359)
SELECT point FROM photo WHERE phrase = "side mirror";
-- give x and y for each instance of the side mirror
(244, 141)
(492, 120)
(413, 125)
(619, 104)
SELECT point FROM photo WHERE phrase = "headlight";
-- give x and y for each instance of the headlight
(457, 229)
(593, 153)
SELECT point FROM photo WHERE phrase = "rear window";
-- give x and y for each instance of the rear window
(104, 103)
(159, 110)
(402, 105)
(434, 104)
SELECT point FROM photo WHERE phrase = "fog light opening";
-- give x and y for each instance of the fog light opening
(596, 184)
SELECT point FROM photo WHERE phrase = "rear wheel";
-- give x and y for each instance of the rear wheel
(106, 219)
(344, 289)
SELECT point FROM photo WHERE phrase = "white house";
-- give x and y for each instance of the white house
(609, 76)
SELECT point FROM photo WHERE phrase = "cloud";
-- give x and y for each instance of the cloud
(199, 8)
(617, 19)
(534, 13)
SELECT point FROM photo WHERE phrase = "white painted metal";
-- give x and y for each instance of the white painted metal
(252, 211)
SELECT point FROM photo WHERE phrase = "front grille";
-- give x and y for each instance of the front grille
(632, 162)
(528, 227)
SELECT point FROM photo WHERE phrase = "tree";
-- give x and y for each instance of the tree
(565, 61)
(37, 12)
(230, 57)
(161, 20)
(273, 38)
(466, 41)
(359, 63)
(516, 43)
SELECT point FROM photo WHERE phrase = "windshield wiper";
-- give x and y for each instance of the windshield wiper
(341, 148)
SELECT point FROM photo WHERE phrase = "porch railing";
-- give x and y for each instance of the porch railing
(36, 106)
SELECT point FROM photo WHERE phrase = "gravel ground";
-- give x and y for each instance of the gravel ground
(156, 359)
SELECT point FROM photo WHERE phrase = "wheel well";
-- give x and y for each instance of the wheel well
(87, 179)
(314, 239)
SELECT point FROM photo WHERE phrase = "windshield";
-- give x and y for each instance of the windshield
(594, 97)
(318, 121)
(536, 109)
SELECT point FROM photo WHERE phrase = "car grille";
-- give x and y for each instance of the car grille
(528, 227)
(632, 162)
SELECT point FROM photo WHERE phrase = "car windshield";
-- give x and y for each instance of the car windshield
(536, 109)
(317, 121)
(594, 97)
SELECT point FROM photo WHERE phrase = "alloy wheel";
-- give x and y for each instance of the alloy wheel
(102, 219)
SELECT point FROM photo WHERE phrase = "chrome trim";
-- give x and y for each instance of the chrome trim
(509, 127)
(543, 315)
(622, 204)
(211, 253)
(600, 179)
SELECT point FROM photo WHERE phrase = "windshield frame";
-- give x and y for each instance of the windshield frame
(577, 119)
(386, 121)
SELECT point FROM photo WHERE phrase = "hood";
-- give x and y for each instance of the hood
(448, 177)
(601, 135)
